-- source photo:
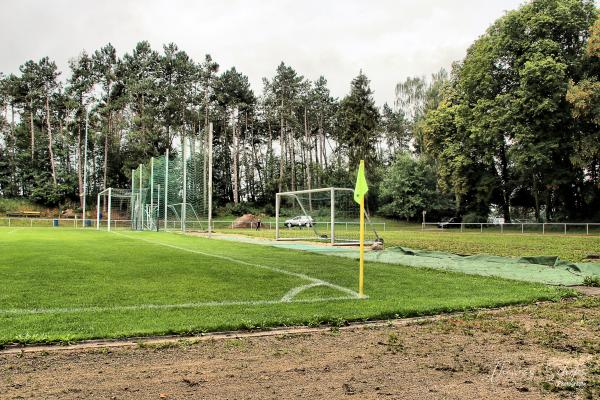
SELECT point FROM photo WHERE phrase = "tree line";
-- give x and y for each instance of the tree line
(517, 127)
(511, 130)
(294, 135)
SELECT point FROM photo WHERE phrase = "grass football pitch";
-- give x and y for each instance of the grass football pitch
(65, 285)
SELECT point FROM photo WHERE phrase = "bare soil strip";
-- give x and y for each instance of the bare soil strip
(549, 350)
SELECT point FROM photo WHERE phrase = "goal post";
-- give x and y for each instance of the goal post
(328, 215)
(115, 208)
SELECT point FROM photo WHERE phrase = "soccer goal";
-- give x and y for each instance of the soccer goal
(116, 209)
(327, 215)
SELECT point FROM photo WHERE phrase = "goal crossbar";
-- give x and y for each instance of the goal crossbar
(315, 191)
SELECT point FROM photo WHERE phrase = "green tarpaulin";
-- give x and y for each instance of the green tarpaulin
(543, 269)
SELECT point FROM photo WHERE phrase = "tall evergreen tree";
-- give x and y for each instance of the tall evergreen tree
(358, 118)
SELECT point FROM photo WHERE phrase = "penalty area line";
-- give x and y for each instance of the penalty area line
(142, 307)
(315, 281)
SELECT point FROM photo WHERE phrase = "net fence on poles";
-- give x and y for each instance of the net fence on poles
(170, 191)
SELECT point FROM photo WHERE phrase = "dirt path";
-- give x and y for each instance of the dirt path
(534, 352)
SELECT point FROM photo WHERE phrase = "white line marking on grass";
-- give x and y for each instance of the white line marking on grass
(320, 282)
(140, 307)
(296, 291)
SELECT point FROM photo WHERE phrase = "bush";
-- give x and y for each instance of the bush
(50, 195)
(591, 281)
(408, 187)
(7, 205)
(269, 210)
(238, 209)
(473, 218)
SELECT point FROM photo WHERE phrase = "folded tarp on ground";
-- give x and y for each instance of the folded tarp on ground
(542, 269)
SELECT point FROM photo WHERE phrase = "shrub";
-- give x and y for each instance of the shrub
(408, 187)
(7, 205)
(269, 209)
(591, 281)
(473, 218)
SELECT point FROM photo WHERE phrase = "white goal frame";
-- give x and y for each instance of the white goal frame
(104, 202)
(332, 218)
(109, 208)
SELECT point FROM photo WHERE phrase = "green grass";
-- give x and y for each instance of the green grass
(568, 247)
(66, 285)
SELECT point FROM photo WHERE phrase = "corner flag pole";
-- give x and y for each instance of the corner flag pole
(360, 190)
(361, 278)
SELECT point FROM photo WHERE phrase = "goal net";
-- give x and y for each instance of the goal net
(170, 192)
(115, 209)
(329, 215)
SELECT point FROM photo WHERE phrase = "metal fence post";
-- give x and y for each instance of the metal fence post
(587, 229)
(98, 212)
(332, 215)
(210, 177)
(544, 228)
(277, 204)
(565, 229)
(109, 207)
(481, 227)
(140, 202)
(166, 205)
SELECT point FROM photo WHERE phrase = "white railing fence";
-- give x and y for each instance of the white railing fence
(562, 228)
(266, 225)
(89, 223)
(171, 224)
(565, 228)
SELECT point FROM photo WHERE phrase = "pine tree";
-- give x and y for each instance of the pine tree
(359, 119)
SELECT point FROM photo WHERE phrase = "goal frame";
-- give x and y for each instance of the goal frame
(109, 207)
(104, 206)
(332, 219)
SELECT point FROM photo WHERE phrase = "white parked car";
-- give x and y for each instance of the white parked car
(301, 220)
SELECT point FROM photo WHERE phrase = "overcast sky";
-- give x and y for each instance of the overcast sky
(389, 40)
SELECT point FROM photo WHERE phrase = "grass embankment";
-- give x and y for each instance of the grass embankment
(63, 285)
(7, 205)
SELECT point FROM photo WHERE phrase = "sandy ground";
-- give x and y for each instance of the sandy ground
(540, 351)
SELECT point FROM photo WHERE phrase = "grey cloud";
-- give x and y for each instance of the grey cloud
(388, 39)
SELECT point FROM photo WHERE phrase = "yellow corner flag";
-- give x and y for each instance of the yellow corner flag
(360, 190)
(361, 187)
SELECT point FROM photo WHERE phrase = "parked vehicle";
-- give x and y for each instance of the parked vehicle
(453, 222)
(301, 220)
